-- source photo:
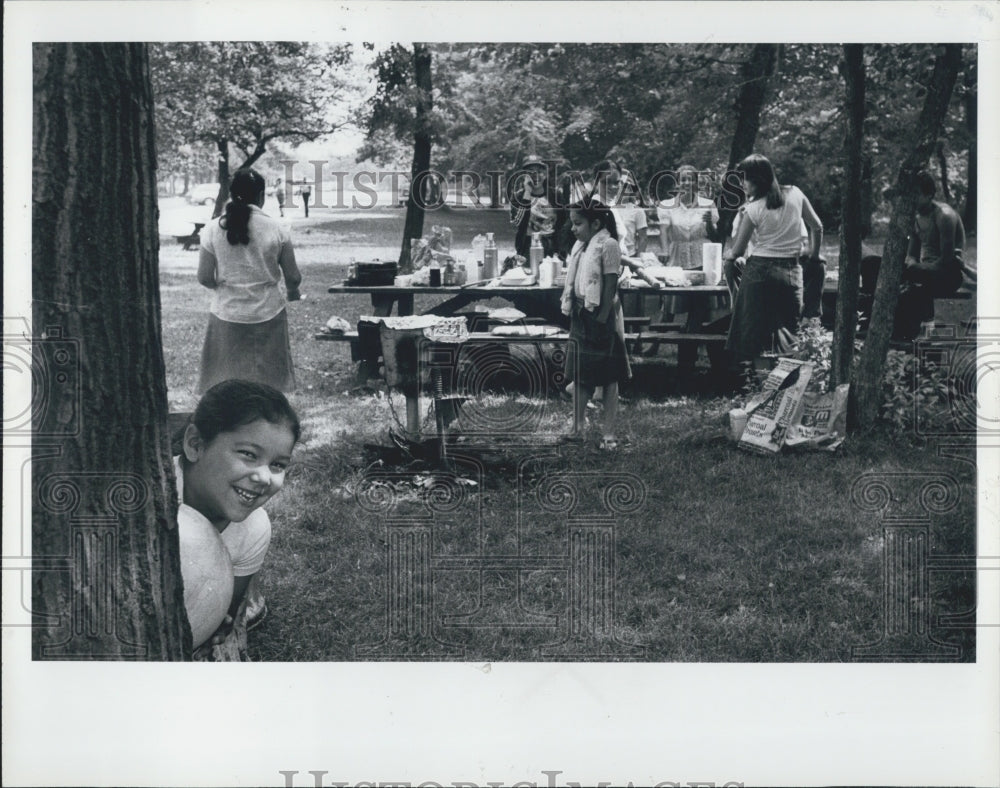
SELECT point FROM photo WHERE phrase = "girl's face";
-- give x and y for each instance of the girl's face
(610, 182)
(748, 188)
(236, 472)
(582, 229)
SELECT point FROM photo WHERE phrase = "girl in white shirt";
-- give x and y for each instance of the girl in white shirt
(769, 301)
(233, 459)
(244, 257)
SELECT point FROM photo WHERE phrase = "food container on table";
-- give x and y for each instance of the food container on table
(711, 262)
(547, 272)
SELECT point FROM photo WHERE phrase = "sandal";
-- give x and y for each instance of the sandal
(608, 444)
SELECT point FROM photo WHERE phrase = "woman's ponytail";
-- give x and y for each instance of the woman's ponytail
(245, 190)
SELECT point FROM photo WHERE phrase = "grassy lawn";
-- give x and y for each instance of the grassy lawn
(677, 548)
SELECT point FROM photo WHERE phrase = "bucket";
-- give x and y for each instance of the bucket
(711, 262)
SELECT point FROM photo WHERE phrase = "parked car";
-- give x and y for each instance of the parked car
(203, 193)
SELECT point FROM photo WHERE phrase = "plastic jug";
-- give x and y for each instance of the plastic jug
(711, 262)
(547, 272)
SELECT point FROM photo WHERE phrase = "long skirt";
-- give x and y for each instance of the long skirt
(249, 351)
(768, 307)
(596, 355)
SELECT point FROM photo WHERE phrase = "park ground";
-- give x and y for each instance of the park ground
(717, 556)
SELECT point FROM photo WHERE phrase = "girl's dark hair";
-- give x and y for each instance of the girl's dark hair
(604, 165)
(926, 183)
(245, 190)
(591, 210)
(759, 171)
(231, 404)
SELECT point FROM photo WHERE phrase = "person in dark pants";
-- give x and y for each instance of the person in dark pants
(933, 266)
(306, 194)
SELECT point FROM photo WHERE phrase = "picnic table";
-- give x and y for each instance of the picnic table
(534, 301)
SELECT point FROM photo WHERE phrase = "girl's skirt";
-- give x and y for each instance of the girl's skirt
(767, 309)
(248, 351)
(596, 355)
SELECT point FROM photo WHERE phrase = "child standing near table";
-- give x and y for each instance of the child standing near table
(597, 355)
(233, 459)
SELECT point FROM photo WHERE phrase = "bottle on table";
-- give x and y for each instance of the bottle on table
(435, 274)
(490, 257)
(535, 254)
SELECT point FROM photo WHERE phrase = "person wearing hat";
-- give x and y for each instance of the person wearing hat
(534, 208)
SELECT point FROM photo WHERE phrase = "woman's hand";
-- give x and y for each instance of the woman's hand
(294, 294)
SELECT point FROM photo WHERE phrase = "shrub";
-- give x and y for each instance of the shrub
(915, 397)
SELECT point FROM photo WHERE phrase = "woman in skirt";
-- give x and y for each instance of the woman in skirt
(244, 256)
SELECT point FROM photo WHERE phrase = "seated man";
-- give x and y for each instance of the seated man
(933, 266)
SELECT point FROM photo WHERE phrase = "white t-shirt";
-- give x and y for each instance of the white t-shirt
(684, 230)
(247, 276)
(629, 219)
(778, 232)
(210, 560)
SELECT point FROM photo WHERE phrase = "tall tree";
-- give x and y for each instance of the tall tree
(403, 109)
(866, 383)
(413, 227)
(239, 96)
(104, 495)
(852, 207)
(755, 73)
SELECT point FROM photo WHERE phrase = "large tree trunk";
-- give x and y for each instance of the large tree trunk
(971, 121)
(867, 192)
(414, 225)
(867, 381)
(754, 76)
(106, 580)
(851, 214)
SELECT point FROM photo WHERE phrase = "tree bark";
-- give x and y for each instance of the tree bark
(851, 215)
(943, 169)
(106, 580)
(867, 192)
(414, 224)
(754, 76)
(971, 121)
(867, 380)
(220, 201)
